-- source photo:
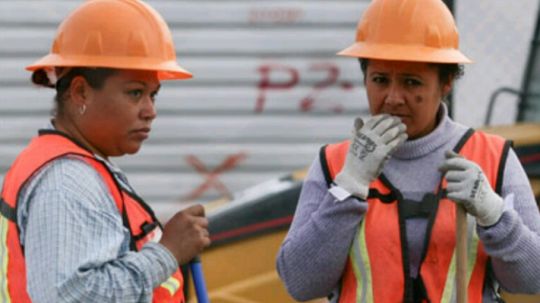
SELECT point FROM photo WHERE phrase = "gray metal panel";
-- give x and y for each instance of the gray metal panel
(233, 47)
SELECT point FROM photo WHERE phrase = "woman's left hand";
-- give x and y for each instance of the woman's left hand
(468, 185)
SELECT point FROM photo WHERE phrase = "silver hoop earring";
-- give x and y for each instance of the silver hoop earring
(82, 109)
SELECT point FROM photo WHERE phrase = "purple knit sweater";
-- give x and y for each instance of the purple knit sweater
(313, 255)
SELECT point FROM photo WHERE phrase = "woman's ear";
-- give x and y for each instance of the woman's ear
(79, 91)
(447, 87)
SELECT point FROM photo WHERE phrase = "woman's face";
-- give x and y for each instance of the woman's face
(118, 116)
(408, 90)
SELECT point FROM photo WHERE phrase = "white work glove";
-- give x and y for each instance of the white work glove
(371, 145)
(468, 185)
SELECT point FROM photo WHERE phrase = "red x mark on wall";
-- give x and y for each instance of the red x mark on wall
(211, 176)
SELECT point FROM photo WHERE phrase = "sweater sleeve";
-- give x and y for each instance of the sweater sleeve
(514, 242)
(312, 257)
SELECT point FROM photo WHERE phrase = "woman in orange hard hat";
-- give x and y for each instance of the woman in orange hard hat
(375, 221)
(73, 229)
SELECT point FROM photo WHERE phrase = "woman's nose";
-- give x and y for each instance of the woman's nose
(395, 95)
(148, 111)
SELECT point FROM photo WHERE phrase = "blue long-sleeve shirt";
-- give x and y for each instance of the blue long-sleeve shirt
(76, 246)
(313, 255)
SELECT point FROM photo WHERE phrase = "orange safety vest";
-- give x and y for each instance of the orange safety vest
(377, 266)
(137, 215)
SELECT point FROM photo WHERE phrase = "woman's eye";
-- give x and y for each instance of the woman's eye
(136, 93)
(412, 82)
(379, 79)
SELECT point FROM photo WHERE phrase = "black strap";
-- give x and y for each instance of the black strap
(125, 221)
(324, 166)
(384, 198)
(420, 292)
(7, 211)
(419, 209)
(463, 140)
(491, 286)
(146, 227)
(502, 165)
(144, 205)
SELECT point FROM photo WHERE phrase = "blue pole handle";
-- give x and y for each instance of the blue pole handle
(198, 280)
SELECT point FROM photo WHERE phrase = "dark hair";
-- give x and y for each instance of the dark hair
(94, 76)
(446, 71)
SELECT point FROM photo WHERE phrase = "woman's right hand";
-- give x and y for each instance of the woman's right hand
(186, 234)
(371, 145)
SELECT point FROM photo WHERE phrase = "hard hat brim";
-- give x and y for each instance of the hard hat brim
(395, 52)
(167, 70)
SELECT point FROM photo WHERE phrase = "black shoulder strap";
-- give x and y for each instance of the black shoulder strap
(502, 165)
(468, 134)
(7, 211)
(324, 165)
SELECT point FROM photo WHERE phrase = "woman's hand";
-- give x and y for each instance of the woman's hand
(186, 234)
(371, 145)
(468, 186)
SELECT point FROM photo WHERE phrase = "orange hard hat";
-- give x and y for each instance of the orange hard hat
(407, 30)
(120, 34)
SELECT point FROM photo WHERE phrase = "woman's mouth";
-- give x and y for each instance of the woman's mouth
(142, 133)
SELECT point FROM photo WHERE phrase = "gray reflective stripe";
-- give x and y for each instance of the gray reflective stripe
(361, 266)
(4, 257)
(449, 293)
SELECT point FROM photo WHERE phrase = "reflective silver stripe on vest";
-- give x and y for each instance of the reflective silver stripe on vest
(171, 285)
(4, 257)
(361, 266)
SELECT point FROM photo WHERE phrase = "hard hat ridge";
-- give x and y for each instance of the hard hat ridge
(407, 30)
(122, 34)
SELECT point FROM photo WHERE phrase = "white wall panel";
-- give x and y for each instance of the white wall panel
(268, 88)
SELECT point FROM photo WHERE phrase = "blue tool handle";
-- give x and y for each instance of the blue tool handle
(198, 280)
